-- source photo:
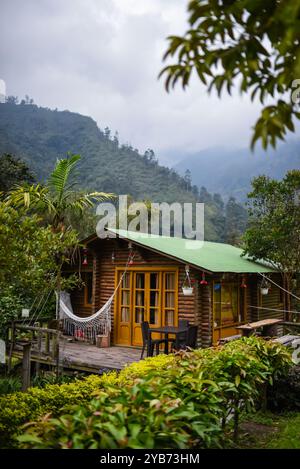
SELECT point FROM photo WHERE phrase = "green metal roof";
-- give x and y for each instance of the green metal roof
(212, 257)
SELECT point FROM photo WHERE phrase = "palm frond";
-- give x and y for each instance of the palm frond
(87, 200)
(58, 181)
(28, 196)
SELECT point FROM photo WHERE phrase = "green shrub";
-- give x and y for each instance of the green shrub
(147, 414)
(207, 385)
(179, 401)
(10, 384)
(18, 408)
(285, 393)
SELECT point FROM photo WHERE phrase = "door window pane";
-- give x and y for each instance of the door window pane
(153, 316)
(124, 314)
(154, 298)
(140, 298)
(154, 281)
(140, 281)
(170, 300)
(126, 281)
(125, 297)
(170, 281)
(139, 315)
(169, 318)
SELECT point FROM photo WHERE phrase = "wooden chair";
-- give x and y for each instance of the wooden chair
(154, 343)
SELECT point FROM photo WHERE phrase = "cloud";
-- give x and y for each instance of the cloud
(102, 58)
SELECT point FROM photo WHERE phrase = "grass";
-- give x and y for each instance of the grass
(268, 430)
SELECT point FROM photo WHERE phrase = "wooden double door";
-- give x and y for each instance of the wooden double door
(145, 296)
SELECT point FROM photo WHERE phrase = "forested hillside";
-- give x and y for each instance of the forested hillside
(38, 136)
(236, 167)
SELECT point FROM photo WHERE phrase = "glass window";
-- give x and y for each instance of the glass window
(169, 317)
(153, 316)
(124, 314)
(139, 315)
(170, 281)
(140, 281)
(125, 297)
(126, 281)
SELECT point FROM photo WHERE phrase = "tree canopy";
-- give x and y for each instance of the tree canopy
(13, 171)
(58, 197)
(274, 223)
(250, 43)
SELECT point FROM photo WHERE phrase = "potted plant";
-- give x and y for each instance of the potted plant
(187, 291)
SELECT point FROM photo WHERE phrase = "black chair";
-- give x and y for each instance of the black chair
(186, 339)
(183, 323)
(146, 337)
(192, 336)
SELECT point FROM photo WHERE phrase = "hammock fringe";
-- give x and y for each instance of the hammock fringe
(87, 328)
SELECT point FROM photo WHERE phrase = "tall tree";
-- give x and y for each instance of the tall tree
(58, 198)
(13, 171)
(274, 225)
(236, 221)
(253, 43)
(188, 180)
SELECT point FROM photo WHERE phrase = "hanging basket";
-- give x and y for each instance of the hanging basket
(264, 290)
(187, 291)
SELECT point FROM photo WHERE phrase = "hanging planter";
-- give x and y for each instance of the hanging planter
(187, 291)
(187, 288)
(265, 287)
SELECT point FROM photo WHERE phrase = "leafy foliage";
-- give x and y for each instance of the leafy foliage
(285, 394)
(13, 171)
(274, 223)
(254, 43)
(58, 198)
(31, 257)
(176, 401)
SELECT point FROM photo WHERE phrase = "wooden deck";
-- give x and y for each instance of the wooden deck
(81, 356)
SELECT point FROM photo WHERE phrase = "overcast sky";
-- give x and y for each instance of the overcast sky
(101, 58)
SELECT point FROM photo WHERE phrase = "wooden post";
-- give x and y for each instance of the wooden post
(12, 343)
(39, 348)
(26, 366)
(47, 343)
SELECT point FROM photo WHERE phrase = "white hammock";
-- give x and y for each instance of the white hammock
(88, 327)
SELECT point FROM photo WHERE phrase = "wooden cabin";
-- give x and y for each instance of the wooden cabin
(226, 288)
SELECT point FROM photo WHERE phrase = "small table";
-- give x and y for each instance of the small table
(166, 330)
(268, 326)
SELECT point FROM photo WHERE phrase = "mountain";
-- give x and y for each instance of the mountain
(39, 136)
(229, 172)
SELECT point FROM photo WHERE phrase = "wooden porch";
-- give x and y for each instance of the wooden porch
(86, 357)
(83, 357)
